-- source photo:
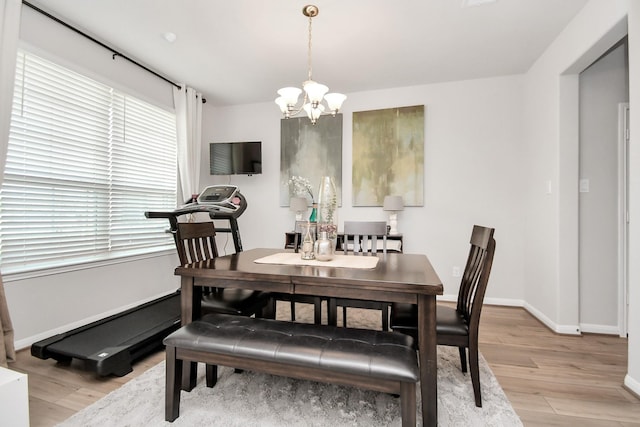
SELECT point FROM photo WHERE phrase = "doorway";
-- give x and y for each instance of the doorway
(603, 86)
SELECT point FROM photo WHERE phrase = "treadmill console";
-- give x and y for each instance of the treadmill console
(225, 198)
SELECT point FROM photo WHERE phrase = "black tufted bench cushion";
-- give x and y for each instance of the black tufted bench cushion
(376, 360)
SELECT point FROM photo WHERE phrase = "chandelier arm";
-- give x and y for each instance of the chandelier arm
(293, 111)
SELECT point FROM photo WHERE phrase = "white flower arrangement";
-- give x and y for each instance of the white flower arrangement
(301, 186)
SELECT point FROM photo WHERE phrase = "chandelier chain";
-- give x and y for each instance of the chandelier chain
(309, 52)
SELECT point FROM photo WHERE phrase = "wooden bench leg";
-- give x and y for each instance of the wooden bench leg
(189, 375)
(211, 375)
(173, 385)
(408, 404)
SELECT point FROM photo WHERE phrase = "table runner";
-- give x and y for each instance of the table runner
(342, 261)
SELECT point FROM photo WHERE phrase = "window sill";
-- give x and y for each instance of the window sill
(10, 276)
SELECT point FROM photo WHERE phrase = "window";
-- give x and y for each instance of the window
(84, 163)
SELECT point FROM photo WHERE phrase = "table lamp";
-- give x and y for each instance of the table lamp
(299, 206)
(393, 204)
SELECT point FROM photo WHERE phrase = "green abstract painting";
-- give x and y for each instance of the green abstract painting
(388, 155)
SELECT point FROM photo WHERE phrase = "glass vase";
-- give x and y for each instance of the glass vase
(323, 248)
(307, 243)
(314, 213)
(328, 210)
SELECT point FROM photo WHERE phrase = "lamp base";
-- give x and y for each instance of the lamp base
(393, 223)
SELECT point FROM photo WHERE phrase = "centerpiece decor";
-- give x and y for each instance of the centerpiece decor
(325, 245)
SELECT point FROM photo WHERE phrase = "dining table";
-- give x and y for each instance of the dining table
(391, 277)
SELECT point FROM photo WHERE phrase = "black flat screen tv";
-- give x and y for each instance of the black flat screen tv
(235, 158)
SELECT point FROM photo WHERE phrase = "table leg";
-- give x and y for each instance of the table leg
(428, 357)
(190, 300)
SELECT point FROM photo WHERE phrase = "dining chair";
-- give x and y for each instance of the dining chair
(458, 326)
(362, 238)
(196, 242)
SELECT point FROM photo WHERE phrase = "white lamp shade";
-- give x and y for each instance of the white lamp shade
(334, 101)
(393, 203)
(290, 95)
(282, 103)
(315, 91)
(298, 204)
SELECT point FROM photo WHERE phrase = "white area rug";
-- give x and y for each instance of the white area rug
(252, 399)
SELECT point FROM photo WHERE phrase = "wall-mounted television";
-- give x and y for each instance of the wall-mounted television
(235, 158)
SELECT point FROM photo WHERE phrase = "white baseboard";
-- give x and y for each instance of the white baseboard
(632, 385)
(559, 329)
(599, 329)
(27, 342)
(504, 302)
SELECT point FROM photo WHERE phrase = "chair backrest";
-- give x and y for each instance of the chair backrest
(196, 241)
(361, 237)
(476, 276)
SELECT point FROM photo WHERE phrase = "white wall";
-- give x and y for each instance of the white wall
(551, 131)
(473, 174)
(632, 380)
(43, 306)
(551, 111)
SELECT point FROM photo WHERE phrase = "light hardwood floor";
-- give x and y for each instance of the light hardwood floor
(551, 380)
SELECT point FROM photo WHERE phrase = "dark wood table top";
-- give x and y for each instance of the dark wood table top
(396, 272)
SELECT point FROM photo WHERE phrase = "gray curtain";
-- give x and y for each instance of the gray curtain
(9, 33)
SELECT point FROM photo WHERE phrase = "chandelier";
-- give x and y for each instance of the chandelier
(314, 92)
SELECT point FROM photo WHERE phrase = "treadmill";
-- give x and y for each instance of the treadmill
(109, 346)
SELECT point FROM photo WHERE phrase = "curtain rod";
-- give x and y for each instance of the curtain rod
(112, 50)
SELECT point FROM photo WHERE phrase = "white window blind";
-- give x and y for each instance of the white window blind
(84, 163)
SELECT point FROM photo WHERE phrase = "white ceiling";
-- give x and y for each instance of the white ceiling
(242, 51)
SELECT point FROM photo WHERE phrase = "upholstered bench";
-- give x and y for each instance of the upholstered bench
(375, 360)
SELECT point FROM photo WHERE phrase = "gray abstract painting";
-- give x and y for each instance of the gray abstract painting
(310, 151)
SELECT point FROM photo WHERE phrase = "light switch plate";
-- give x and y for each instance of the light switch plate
(584, 185)
(456, 271)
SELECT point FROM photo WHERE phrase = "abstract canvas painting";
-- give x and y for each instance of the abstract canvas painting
(388, 155)
(310, 151)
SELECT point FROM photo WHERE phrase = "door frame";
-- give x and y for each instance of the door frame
(623, 217)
